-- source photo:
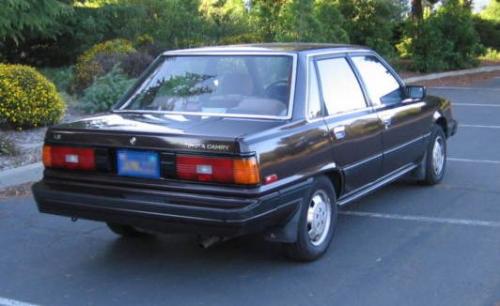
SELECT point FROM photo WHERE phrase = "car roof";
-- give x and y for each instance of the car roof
(271, 47)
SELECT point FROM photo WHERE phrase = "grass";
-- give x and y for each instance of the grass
(491, 55)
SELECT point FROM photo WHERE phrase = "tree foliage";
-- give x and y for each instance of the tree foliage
(56, 32)
(265, 15)
(36, 16)
(445, 39)
(224, 18)
(372, 22)
(492, 11)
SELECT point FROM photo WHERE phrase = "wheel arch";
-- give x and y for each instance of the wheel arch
(336, 177)
(440, 120)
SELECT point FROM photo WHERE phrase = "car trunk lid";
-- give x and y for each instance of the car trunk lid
(160, 132)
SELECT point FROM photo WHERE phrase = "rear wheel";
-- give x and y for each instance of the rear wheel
(435, 163)
(318, 220)
(125, 230)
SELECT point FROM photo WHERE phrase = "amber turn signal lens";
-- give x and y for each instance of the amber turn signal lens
(47, 156)
(246, 171)
(242, 171)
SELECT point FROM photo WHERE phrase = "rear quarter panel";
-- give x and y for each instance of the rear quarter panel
(292, 152)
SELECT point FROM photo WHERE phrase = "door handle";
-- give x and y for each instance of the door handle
(387, 122)
(339, 132)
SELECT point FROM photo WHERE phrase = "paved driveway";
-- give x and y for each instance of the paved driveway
(404, 245)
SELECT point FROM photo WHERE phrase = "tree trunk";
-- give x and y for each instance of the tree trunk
(417, 10)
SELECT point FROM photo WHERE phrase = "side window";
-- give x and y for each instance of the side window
(314, 106)
(382, 86)
(340, 88)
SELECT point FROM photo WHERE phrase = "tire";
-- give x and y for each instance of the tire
(435, 159)
(310, 244)
(125, 230)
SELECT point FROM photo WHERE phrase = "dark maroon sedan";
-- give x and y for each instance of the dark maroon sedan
(232, 140)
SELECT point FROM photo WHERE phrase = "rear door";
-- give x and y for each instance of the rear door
(354, 127)
(405, 122)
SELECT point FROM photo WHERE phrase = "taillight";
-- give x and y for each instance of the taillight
(242, 171)
(73, 158)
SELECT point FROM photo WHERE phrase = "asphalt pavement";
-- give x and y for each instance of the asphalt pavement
(404, 245)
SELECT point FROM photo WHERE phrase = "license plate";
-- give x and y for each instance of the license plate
(144, 164)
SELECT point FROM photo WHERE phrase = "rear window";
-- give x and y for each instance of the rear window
(238, 85)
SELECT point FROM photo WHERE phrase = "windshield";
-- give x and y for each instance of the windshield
(240, 85)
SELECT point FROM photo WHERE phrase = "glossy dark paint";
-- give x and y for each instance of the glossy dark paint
(295, 150)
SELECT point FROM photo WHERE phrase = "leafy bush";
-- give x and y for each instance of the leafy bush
(330, 21)
(444, 40)
(489, 31)
(105, 91)
(492, 11)
(223, 19)
(20, 16)
(7, 146)
(61, 77)
(241, 39)
(134, 64)
(90, 64)
(372, 23)
(27, 98)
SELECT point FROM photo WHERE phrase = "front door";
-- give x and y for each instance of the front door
(405, 122)
(355, 128)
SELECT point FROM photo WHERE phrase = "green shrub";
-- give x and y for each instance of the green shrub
(105, 91)
(372, 23)
(489, 32)
(444, 40)
(88, 65)
(134, 64)
(27, 98)
(61, 77)
(241, 39)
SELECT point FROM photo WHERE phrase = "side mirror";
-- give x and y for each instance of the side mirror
(415, 92)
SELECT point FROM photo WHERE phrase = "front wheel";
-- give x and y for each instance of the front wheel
(435, 163)
(317, 223)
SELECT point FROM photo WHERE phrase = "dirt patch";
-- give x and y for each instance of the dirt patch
(28, 145)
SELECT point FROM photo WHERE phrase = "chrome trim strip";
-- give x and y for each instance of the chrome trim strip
(401, 146)
(373, 157)
(370, 187)
(166, 113)
(359, 163)
(242, 53)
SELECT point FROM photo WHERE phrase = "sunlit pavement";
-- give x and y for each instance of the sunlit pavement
(405, 245)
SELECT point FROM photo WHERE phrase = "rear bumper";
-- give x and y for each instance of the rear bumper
(169, 211)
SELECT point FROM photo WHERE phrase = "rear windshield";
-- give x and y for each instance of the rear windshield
(240, 85)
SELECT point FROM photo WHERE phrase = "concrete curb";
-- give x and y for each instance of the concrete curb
(434, 76)
(21, 175)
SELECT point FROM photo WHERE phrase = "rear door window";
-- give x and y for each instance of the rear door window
(339, 86)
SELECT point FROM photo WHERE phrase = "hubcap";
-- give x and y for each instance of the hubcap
(319, 217)
(438, 155)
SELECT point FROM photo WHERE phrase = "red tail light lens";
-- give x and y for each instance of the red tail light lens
(73, 158)
(242, 171)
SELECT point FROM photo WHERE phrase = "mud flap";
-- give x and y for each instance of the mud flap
(419, 172)
(287, 233)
